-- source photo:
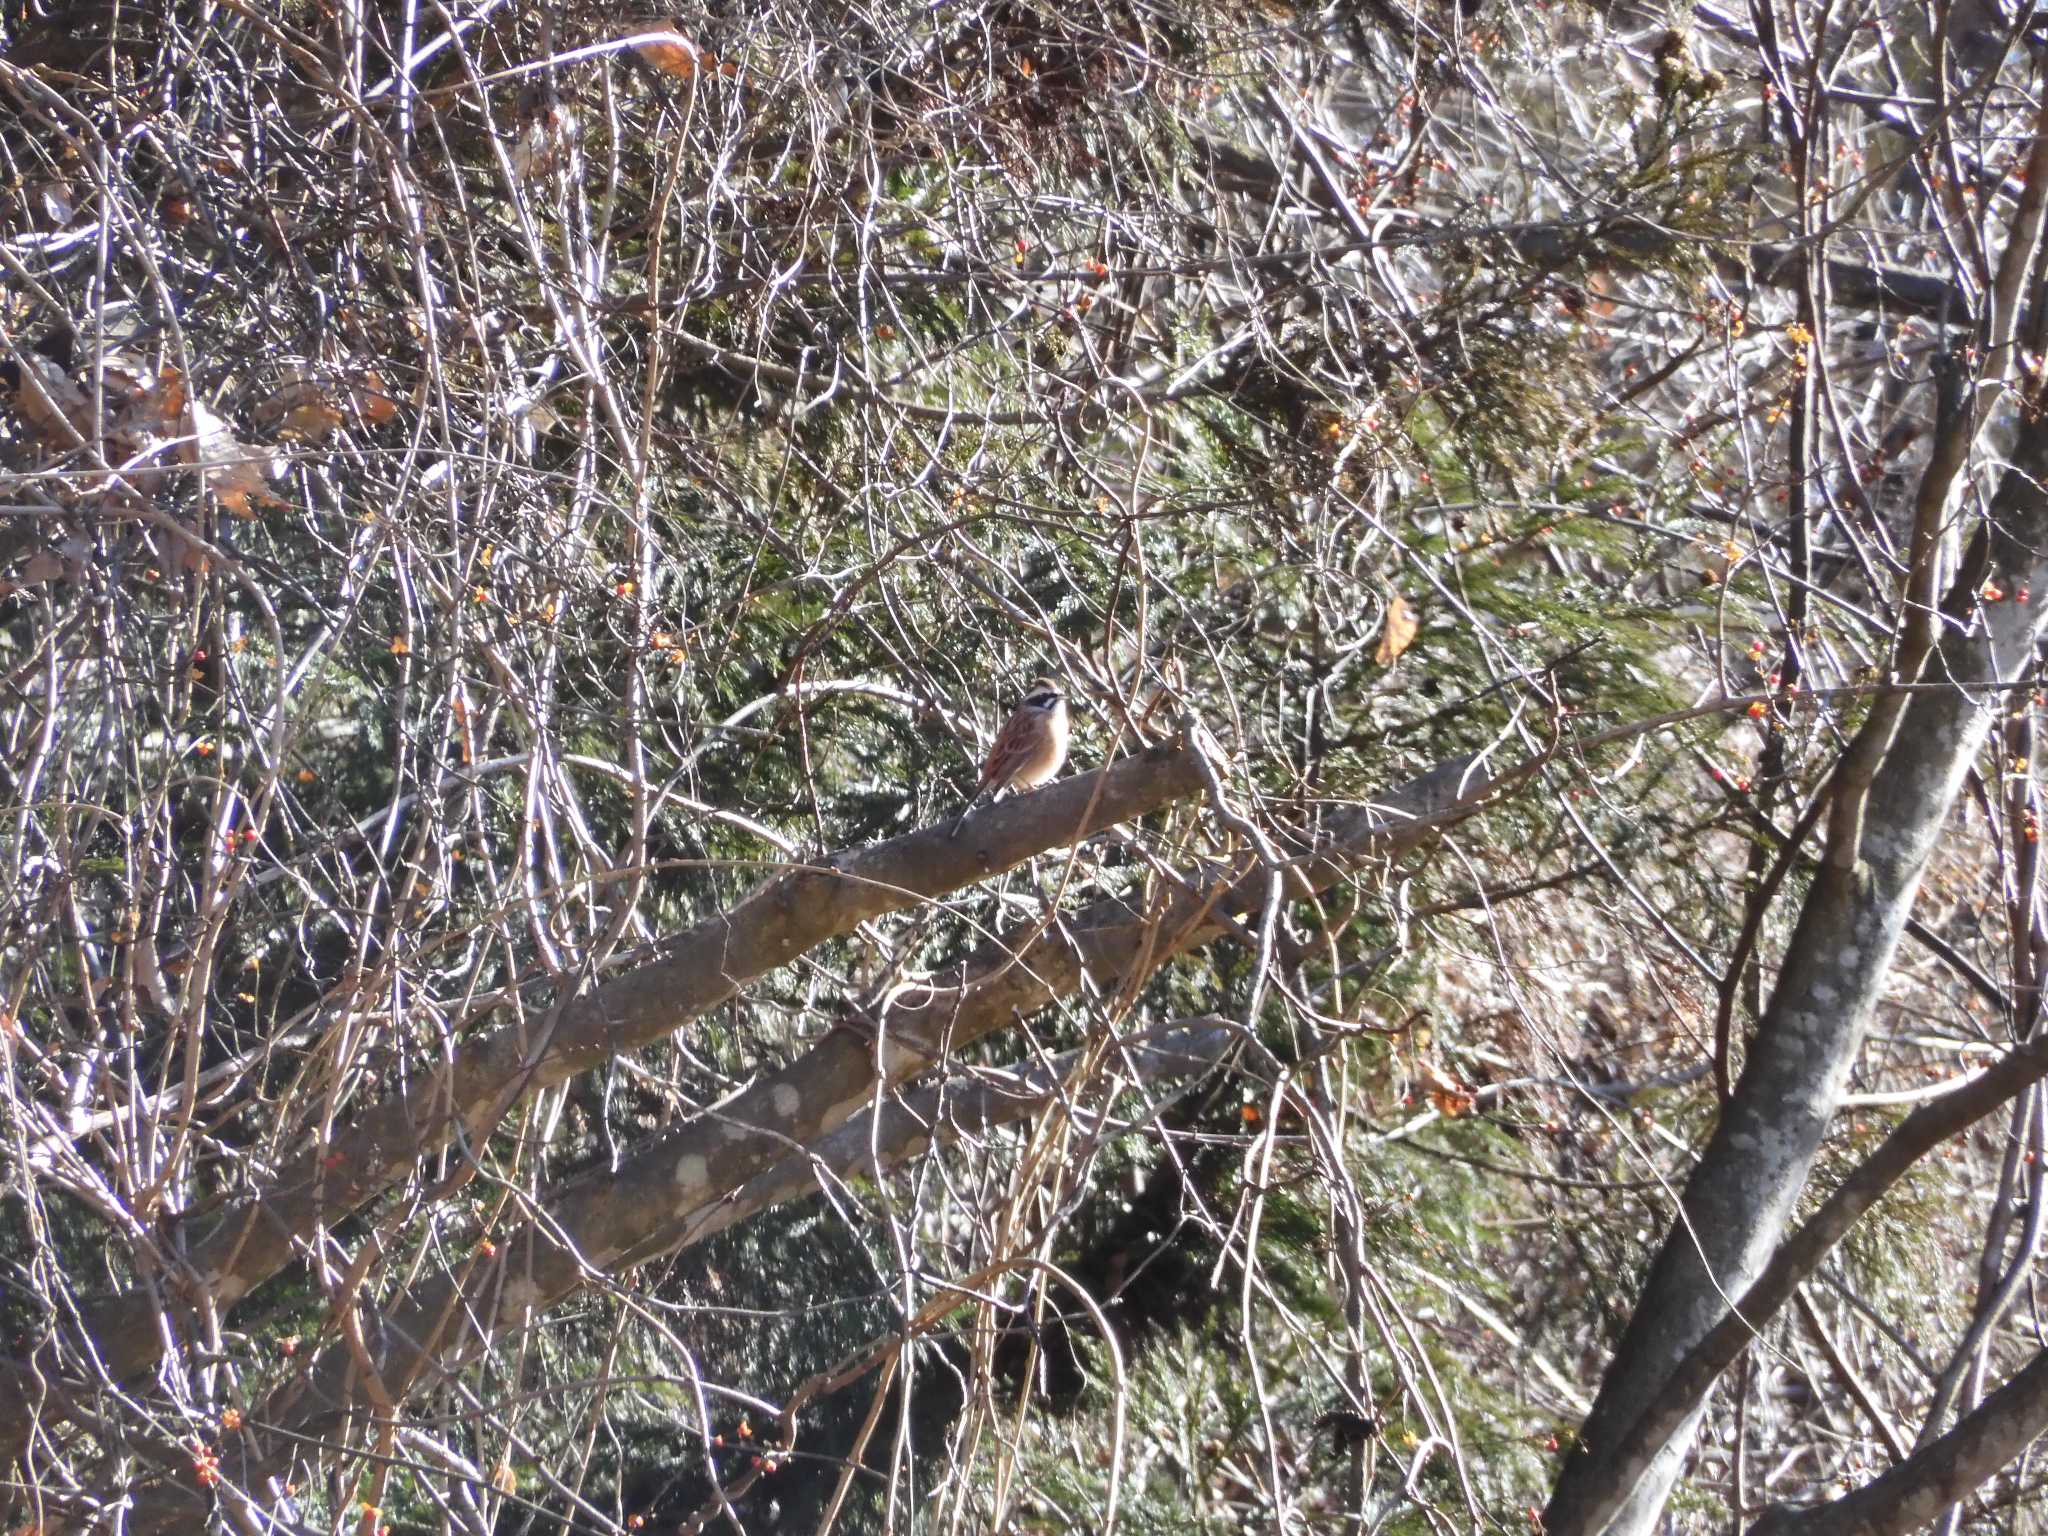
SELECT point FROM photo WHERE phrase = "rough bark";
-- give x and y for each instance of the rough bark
(693, 973)
(906, 1125)
(1751, 1173)
(1912, 1495)
(669, 1194)
(1800, 1255)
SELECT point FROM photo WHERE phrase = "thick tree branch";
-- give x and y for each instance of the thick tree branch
(1608, 242)
(1912, 1495)
(670, 1193)
(693, 973)
(1755, 1166)
(906, 1125)
(1801, 1255)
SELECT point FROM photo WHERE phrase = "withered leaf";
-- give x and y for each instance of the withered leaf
(50, 401)
(1449, 1097)
(1399, 632)
(674, 54)
(1450, 1102)
(236, 475)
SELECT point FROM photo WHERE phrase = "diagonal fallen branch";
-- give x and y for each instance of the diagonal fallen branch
(691, 974)
(672, 1192)
(904, 1126)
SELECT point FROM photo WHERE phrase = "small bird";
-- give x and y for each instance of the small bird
(1028, 750)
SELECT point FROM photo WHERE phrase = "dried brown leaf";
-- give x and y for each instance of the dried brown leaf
(674, 54)
(371, 401)
(51, 402)
(235, 474)
(1447, 1095)
(1399, 632)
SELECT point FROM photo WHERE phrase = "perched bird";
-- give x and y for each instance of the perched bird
(1028, 750)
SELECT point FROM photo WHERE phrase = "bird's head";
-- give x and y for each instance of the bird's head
(1045, 694)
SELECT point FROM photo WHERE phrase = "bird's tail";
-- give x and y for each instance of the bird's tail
(973, 800)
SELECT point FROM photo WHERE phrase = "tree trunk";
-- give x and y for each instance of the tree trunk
(1750, 1176)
